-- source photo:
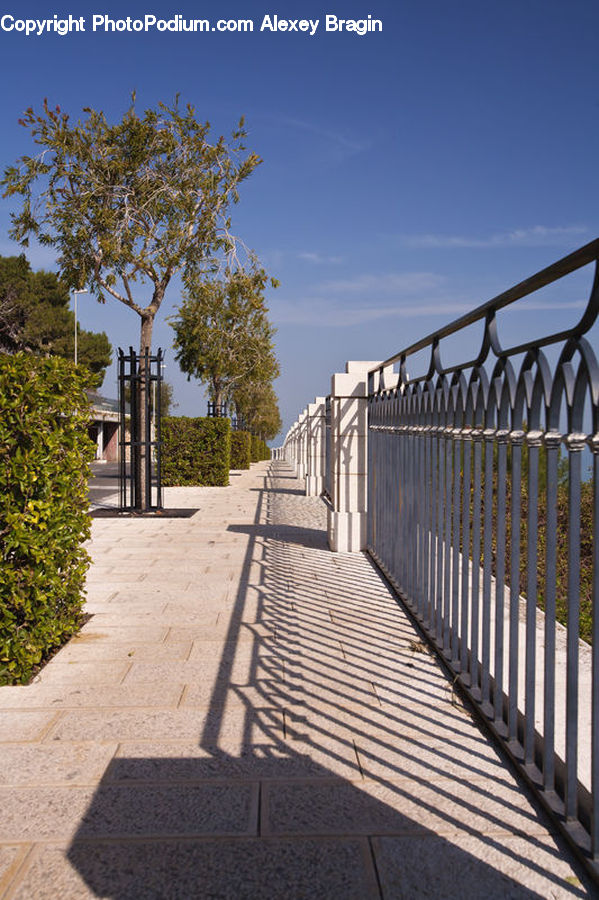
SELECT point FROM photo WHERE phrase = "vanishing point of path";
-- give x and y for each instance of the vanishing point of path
(247, 715)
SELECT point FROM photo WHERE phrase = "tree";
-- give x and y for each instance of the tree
(222, 333)
(129, 204)
(167, 402)
(34, 316)
(257, 404)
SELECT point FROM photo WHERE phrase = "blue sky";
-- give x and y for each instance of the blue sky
(407, 175)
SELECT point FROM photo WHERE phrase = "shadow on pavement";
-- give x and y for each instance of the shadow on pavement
(331, 763)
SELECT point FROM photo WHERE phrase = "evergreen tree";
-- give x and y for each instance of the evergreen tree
(35, 316)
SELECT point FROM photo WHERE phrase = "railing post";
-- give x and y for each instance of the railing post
(316, 425)
(349, 445)
(301, 445)
(292, 447)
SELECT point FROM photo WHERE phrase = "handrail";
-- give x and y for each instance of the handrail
(576, 260)
(471, 482)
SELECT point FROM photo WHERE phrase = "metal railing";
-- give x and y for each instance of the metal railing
(479, 515)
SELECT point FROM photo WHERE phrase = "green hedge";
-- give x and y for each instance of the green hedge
(195, 451)
(259, 449)
(44, 456)
(241, 449)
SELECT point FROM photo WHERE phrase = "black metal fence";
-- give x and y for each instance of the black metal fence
(140, 379)
(479, 514)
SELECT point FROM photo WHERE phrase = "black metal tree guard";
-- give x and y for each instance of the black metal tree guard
(217, 410)
(140, 485)
(221, 411)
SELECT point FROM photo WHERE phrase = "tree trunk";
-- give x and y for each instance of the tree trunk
(141, 456)
(216, 396)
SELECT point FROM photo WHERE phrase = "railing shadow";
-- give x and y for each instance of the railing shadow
(332, 761)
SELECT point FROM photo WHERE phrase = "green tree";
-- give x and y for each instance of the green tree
(167, 402)
(222, 333)
(34, 316)
(257, 403)
(128, 205)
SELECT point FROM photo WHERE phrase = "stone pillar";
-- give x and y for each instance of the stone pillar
(100, 440)
(291, 446)
(302, 442)
(316, 425)
(349, 455)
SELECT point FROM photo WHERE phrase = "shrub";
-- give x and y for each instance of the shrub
(241, 449)
(195, 451)
(259, 449)
(44, 456)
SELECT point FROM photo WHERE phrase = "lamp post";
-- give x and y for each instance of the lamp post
(81, 291)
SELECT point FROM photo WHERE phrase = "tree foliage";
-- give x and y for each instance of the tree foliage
(44, 522)
(257, 404)
(34, 316)
(167, 398)
(222, 333)
(129, 203)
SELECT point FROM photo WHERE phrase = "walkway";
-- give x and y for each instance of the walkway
(248, 715)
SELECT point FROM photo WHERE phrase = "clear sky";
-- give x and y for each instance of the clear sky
(408, 175)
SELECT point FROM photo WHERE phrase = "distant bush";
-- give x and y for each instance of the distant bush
(260, 450)
(241, 449)
(195, 451)
(44, 501)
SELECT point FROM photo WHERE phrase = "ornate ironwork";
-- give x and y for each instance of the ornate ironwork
(466, 472)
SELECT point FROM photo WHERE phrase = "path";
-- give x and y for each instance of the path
(248, 715)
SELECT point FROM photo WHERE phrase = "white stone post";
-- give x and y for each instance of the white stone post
(349, 455)
(316, 425)
(292, 445)
(100, 440)
(302, 440)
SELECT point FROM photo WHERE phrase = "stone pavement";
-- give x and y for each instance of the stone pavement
(248, 715)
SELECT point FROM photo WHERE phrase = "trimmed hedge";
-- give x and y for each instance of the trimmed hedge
(195, 451)
(44, 502)
(241, 449)
(259, 449)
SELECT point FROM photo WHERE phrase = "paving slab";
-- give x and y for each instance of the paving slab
(120, 811)
(514, 866)
(141, 631)
(57, 763)
(420, 807)
(132, 650)
(23, 725)
(11, 858)
(83, 672)
(247, 715)
(237, 726)
(149, 761)
(228, 869)
(95, 696)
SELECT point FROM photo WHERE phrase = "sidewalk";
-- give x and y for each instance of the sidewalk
(248, 715)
